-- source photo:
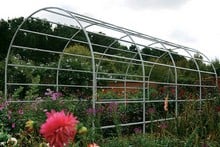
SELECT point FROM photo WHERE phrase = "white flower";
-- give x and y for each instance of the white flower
(12, 141)
(2, 143)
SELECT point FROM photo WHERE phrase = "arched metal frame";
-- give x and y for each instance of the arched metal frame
(129, 58)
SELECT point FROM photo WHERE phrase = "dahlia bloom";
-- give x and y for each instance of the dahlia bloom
(59, 128)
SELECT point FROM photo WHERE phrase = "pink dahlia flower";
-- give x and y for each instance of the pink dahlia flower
(59, 128)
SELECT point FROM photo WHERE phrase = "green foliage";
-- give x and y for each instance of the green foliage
(17, 92)
(33, 91)
(140, 140)
(109, 95)
(7, 29)
(78, 50)
(193, 139)
(216, 64)
(193, 127)
(24, 57)
(2, 75)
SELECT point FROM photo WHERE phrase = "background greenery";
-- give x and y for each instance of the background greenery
(8, 28)
(193, 127)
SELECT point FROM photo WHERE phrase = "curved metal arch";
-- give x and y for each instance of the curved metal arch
(144, 84)
(60, 60)
(57, 80)
(154, 66)
(80, 19)
(70, 39)
(200, 78)
(9, 49)
(216, 75)
(73, 17)
(94, 89)
(176, 79)
(166, 51)
(149, 75)
(143, 71)
(107, 48)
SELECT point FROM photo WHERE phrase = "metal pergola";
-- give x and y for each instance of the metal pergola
(141, 62)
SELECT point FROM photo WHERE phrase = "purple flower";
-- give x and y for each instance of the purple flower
(90, 111)
(113, 107)
(151, 111)
(3, 105)
(56, 95)
(97, 110)
(52, 94)
(20, 111)
(137, 130)
(49, 92)
(13, 125)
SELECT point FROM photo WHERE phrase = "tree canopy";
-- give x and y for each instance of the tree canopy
(100, 41)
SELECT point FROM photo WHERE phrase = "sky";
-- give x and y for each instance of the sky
(192, 23)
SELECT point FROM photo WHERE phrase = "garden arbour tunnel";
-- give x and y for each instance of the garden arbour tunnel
(108, 64)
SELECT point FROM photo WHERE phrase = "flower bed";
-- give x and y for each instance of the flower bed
(54, 121)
